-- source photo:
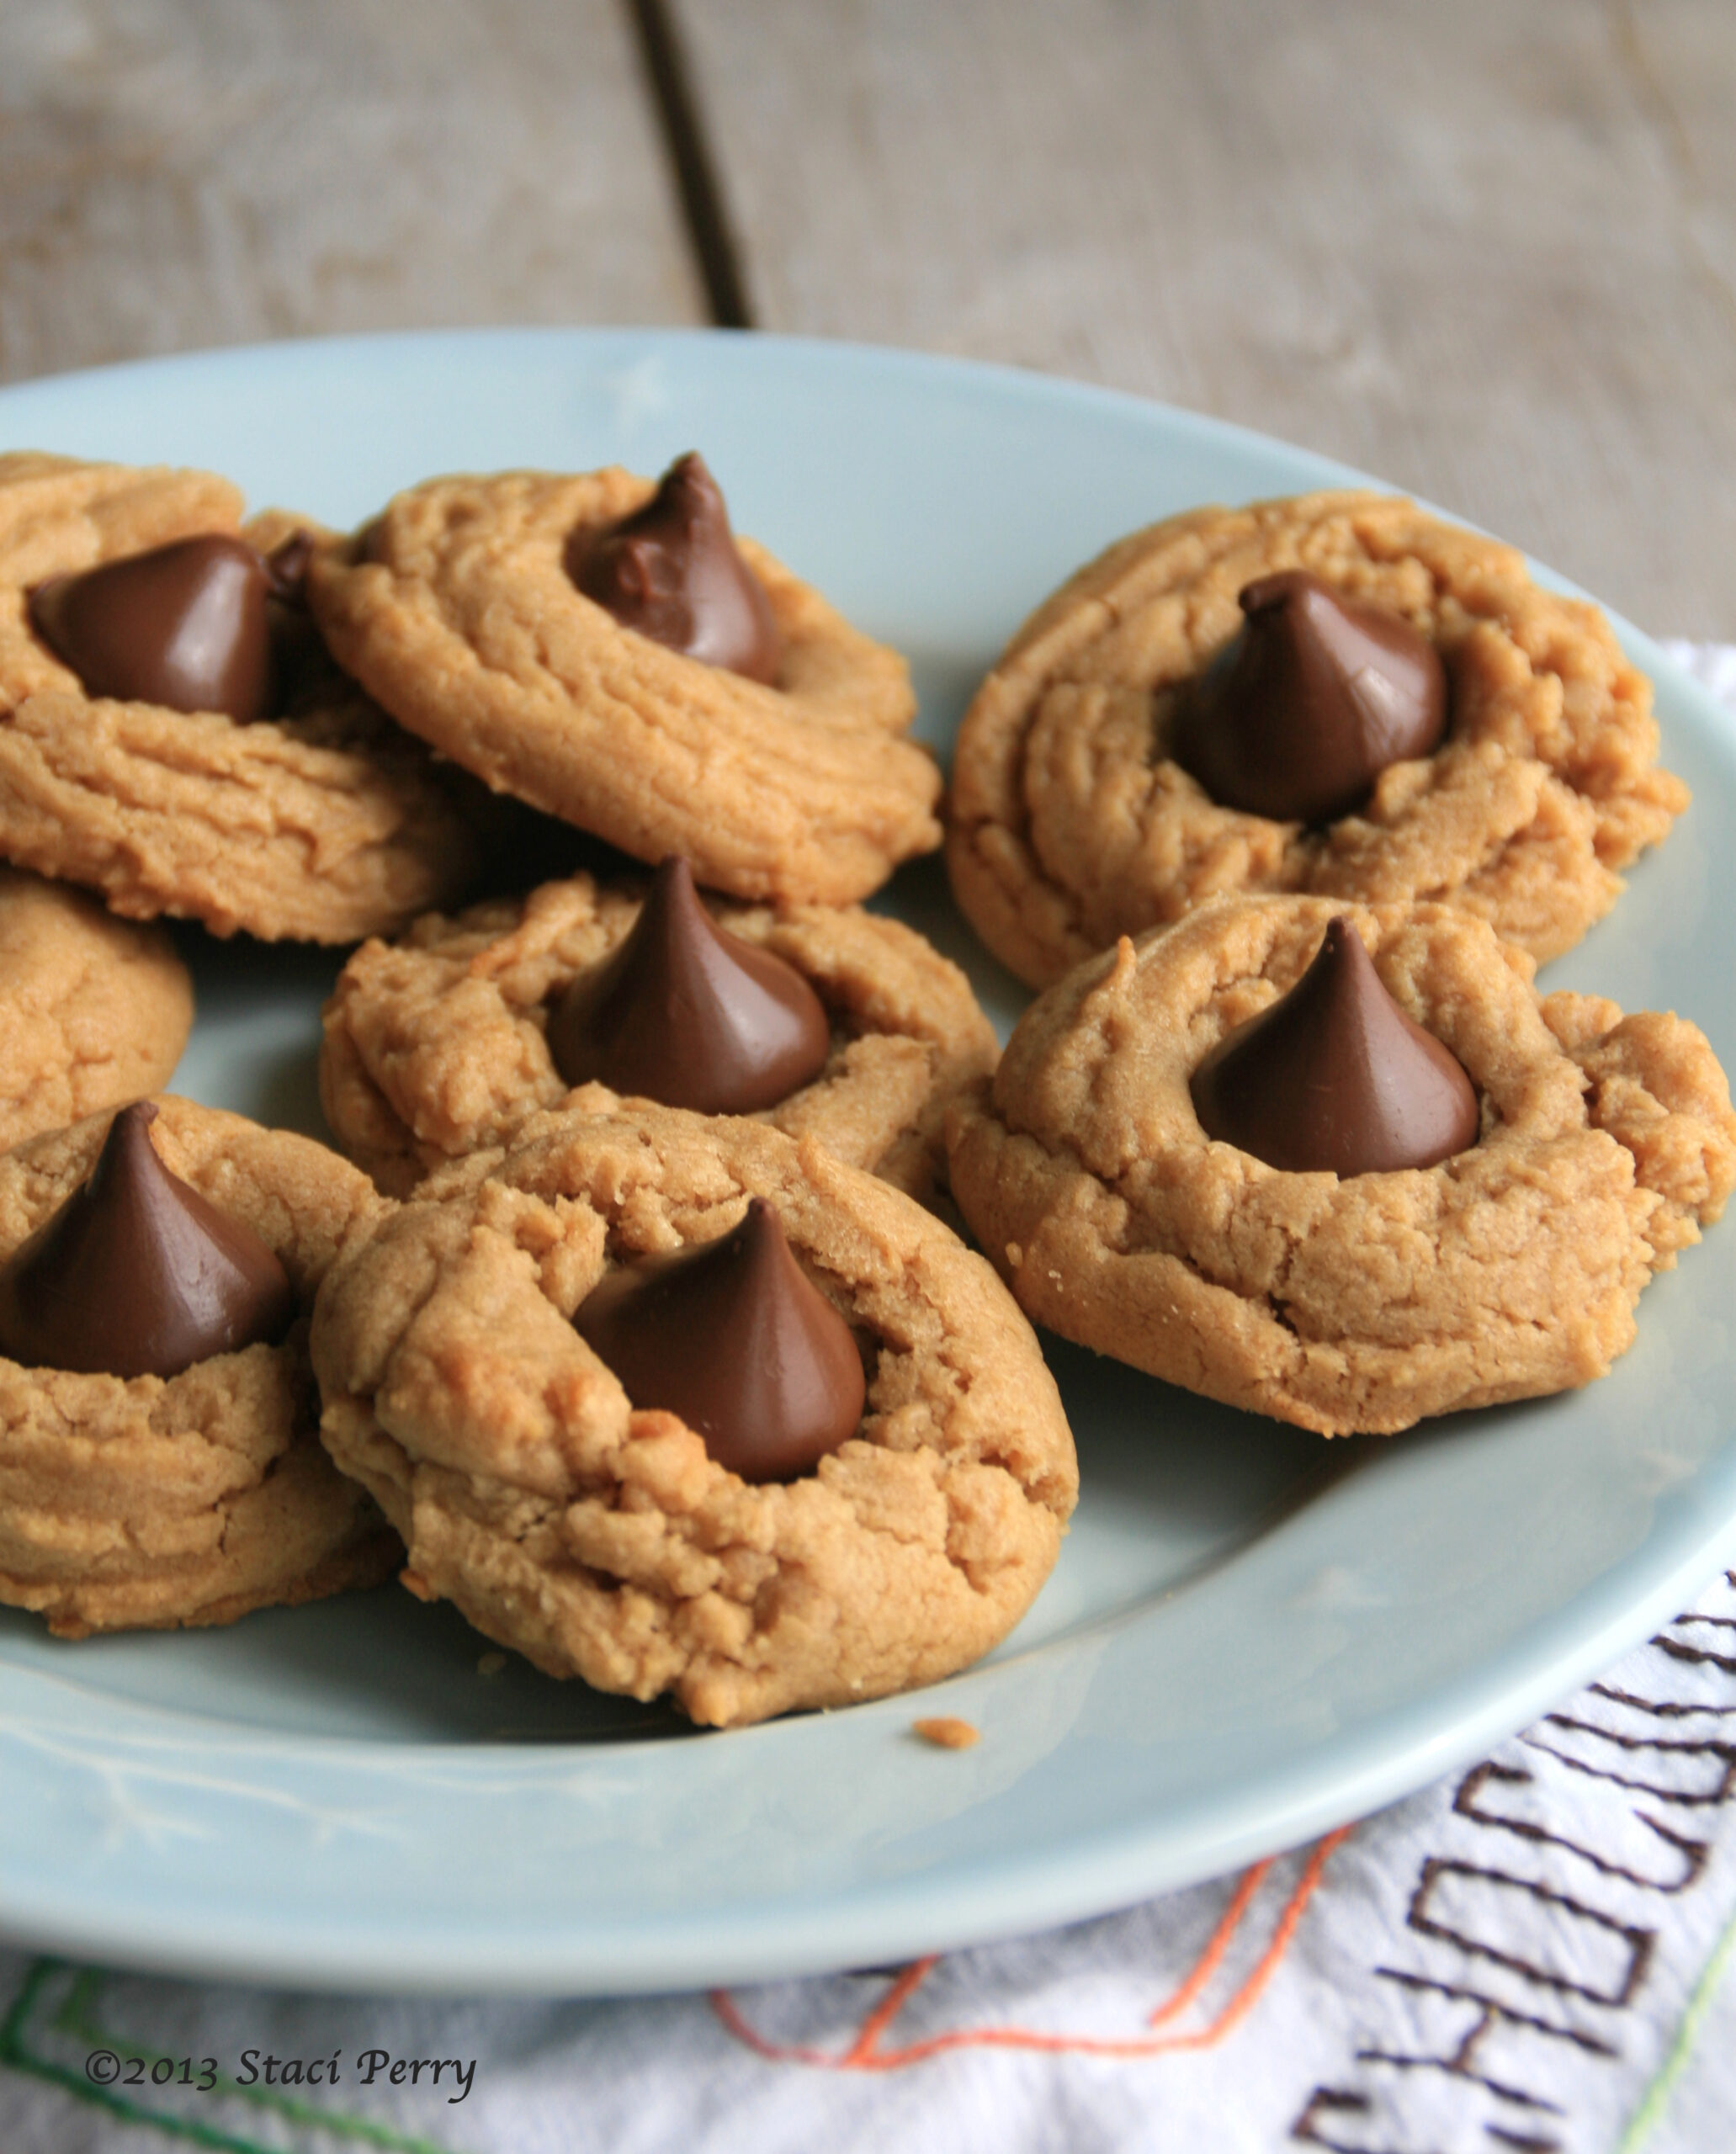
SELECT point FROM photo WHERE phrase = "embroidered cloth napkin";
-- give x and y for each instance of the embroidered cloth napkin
(1534, 1955)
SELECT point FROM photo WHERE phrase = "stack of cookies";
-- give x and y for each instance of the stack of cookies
(633, 1320)
(1282, 807)
(174, 740)
(628, 1324)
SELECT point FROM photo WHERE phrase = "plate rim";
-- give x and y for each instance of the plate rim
(1062, 1884)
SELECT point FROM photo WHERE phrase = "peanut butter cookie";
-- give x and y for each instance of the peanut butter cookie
(146, 1501)
(94, 1010)
(437, 1044)
(1073, 818)
(607, 1540)
(1509, 1269)
(461, 609)
(318, 821)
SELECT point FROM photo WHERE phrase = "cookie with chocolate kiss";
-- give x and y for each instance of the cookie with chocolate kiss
(736, 1338)
(1335, 1077)
(175, 735)
(708, 1501)
(688, 1015)
(159, 1443)
(1341, 1166)
(593, 644)
(831, 1021)
(1238, 701)
(673, 571)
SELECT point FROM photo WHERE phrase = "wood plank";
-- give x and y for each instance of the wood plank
(1487, 252)
(175, 174)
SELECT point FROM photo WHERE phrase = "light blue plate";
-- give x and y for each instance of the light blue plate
(1250, 1637)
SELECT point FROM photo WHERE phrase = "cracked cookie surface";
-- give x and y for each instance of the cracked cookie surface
(602, 1541)
(436, 1045)
(94, 1010)
(1508, 1271)
(455, 609)
(152, 1502)
(1070, 825)
(322, 825)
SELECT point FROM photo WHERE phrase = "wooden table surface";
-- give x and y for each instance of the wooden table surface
(1486, 252)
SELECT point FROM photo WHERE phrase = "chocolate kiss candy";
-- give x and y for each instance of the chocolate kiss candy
(136, 1275)
(286, 570)
(183, 625)
(736, 1338)
(1335, 1076)
(671, 571)
(690, 1016)
(1307, 703)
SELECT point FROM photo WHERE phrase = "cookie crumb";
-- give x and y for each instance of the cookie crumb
(948, 1733)
(491, 1664)
(1015, 1255)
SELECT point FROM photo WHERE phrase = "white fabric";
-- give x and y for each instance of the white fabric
(1531, 1954)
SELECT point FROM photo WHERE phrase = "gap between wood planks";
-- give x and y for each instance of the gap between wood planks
(678, 114)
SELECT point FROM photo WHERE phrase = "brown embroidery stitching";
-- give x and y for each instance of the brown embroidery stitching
(1333, 2097)
(1460, 2070)
(1472, 1802)
(1660, 1708)
(1496, 2009)
(1686, 1797)
(1708, 1746)
(1694, 1854)
(1306, 2127)
(1461, 2062)
(1639, 1942)
(1678, 1649)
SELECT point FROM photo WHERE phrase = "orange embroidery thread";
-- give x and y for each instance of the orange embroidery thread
(865, 2053)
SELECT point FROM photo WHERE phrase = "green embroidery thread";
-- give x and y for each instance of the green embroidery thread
(12, 2052)
(1653, 2101)
(78, 2018)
